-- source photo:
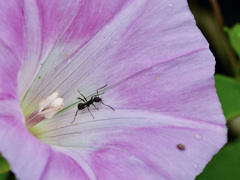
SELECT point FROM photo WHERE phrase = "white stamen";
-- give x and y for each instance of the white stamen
(51, 105)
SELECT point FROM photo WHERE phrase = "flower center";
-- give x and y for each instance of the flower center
(46, 110)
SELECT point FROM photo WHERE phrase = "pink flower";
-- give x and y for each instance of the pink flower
(167, 122)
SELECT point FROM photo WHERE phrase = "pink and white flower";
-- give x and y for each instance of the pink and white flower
(159, 72)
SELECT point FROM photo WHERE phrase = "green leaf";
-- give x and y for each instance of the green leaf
(7, 176)
(228, 91)
(4, 165)
(4, 176)
(234, 37)
(225, 165)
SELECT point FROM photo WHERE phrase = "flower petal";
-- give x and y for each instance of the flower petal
(183, 87)
(137, 142)
(31, 159)
(49, 42)
(140, 138)
(171, 103)
(11, 27)
(19, 147)
(137, 35)
(9, 67)
(151, 153)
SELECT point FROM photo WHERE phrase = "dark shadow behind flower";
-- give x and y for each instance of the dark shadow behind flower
(159, 72)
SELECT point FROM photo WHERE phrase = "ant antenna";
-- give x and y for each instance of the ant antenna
(101, 88)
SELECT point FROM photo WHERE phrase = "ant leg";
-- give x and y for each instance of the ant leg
(90, 112)
(74, 117)
(95, 107)
(101, 88)
(81, 99)
(82, 95)
(107, 105)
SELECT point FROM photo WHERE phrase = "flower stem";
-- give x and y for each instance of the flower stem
(220, 21)
(217, 11)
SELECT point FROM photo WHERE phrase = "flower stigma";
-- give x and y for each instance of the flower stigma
(46, 110)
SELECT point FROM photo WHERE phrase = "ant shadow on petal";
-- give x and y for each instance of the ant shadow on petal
(87, 103)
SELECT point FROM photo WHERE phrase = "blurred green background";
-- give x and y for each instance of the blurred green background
(219, 21)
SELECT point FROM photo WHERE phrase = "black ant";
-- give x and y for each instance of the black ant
(87, 103)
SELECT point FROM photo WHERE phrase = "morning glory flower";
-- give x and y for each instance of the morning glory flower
(167, 121)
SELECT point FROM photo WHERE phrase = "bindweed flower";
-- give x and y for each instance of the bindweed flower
(167, 121)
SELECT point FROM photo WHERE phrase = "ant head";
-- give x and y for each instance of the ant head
(97, 99)
(81, 106)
